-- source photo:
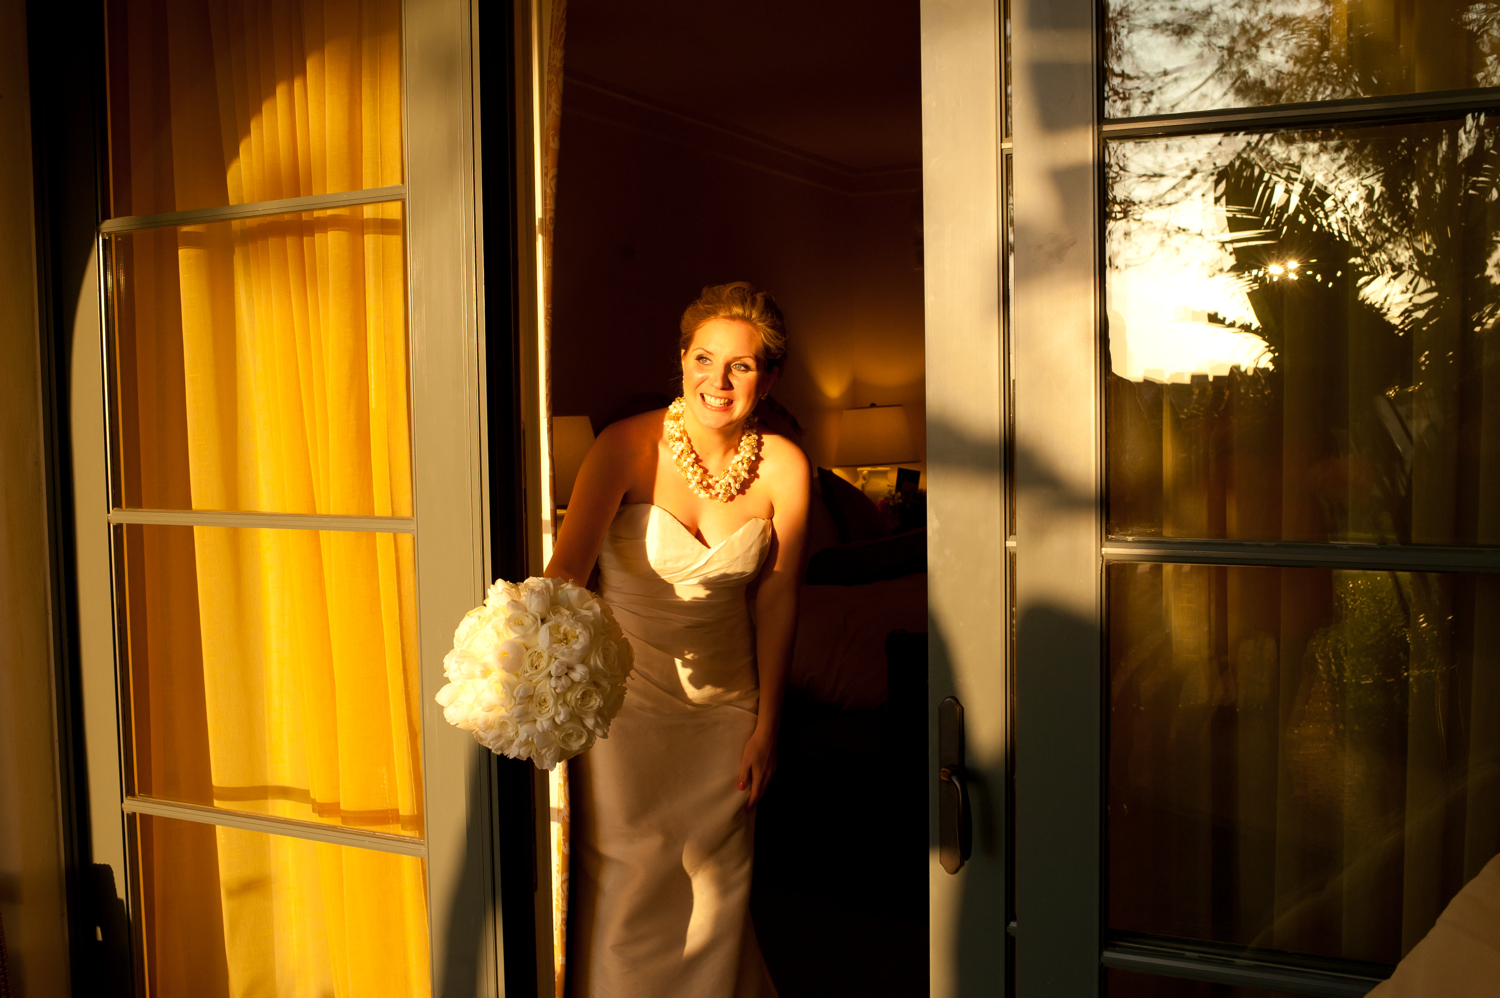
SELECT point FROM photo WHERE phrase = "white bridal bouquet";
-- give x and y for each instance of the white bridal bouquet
(537, 672)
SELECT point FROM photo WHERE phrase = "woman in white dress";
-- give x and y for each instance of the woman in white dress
(692, 512)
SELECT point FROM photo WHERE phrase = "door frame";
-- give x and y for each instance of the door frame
(1058, 483)
(968, 599)
(1015, 529)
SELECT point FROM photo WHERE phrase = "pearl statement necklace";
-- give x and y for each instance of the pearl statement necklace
(726, 486)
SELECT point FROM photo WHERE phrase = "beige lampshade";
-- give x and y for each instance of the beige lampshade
(874, 436)
(572, 436)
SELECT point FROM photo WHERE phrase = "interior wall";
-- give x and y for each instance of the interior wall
(31, 876)
(644, 222)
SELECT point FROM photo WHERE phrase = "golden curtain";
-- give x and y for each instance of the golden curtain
(262, 366)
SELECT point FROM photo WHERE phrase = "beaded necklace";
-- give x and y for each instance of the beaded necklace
(723, 487)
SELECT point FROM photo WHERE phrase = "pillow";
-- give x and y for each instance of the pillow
(857, 518)
(870, 561)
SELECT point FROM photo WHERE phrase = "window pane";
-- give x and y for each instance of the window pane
(1165, 56)
(1304, 335)
(273, 671)
(226, 912)
(227, 102)
(261, 365)
(1125, 984)
(1300, 759)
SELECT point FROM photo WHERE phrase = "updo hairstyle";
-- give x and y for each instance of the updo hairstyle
(740, 301)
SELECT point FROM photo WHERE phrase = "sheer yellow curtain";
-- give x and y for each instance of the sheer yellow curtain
(294, 357)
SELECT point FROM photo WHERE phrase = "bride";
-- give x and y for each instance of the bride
(691, 511)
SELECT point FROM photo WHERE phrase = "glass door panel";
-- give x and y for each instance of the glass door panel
(1164, 56)
(229, 912)
(259, 396)
(261, 364)
(273, 672)
(1301, 759)
(1301, 335)
(1290, 425)
(238, 101)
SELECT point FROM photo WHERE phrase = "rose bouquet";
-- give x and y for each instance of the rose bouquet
(537, 672)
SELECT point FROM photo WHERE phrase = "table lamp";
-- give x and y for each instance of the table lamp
(873, 439)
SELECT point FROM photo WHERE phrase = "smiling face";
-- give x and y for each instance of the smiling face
(723, 375)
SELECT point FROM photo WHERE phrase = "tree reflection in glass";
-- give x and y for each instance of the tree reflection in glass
(1303, 335)
(1165, 56)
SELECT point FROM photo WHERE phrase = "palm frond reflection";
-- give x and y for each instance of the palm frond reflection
(1302, 334)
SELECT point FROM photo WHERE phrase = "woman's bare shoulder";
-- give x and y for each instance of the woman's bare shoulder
(634, 431)
(783, 465)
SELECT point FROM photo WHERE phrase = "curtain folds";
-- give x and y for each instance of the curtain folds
(290, 361)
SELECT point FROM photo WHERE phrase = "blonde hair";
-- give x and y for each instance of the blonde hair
(739, 301)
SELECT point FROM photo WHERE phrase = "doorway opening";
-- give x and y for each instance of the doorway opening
(780, 143)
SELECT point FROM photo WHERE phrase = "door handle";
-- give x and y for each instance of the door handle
(955, 822)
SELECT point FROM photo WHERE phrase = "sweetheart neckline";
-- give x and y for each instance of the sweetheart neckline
(701, 543)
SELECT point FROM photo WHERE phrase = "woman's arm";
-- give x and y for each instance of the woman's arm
(607, 473)
(776, 613)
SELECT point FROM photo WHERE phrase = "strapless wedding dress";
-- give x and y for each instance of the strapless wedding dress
(662, 844)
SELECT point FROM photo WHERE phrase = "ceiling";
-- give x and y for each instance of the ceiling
(835, 79)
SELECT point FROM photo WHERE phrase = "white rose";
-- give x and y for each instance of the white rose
(585, 698)
(544, 748)
(543, 703)
(450, 693)
(572, 738)
(537, 594)
(501, 593)
(605, 657)
(536, 664)
(512, 683)
(472, 621)
(510, 656)
(482, 640)
(522, 625)
(576, 598)
(499, 692)
(593, 612)
(566, 636)
(458, 702)
(460, 664)
(497, 733)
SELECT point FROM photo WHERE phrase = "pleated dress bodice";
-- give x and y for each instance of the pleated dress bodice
(683, 603)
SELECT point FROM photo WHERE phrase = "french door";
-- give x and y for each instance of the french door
(278, 464)
(1245, 579)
